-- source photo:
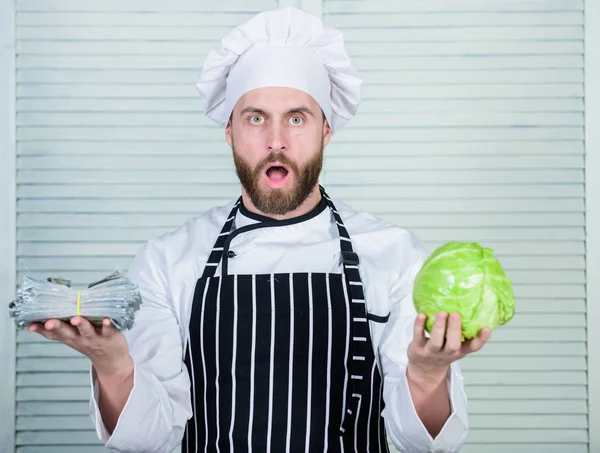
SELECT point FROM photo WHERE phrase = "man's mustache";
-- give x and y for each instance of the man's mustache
(277, 157)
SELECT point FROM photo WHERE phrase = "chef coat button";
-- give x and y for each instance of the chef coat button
(230, 254)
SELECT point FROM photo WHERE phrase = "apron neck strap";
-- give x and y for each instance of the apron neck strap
(349, 257)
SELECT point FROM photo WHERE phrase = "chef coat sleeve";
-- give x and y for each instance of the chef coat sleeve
(403, 425)
(158, 407)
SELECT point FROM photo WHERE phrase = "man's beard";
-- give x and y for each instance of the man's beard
(279, 201)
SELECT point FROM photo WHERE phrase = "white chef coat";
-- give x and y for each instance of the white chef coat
(167, 267)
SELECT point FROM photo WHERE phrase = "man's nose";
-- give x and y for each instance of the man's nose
(276, 140)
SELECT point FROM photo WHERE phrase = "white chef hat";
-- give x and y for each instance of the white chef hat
(284, 47)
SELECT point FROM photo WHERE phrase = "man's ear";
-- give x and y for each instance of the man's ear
(326, 132)
(228, 133)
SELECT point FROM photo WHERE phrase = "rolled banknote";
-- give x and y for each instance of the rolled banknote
(114, 297)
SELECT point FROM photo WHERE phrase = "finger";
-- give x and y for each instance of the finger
(419, 331)
(476, 343)
(436, 342)
(108, 328)
(41, 330)
(34, 327)
(51, 324)
(61, 329)
(84, 327)
(453, 335)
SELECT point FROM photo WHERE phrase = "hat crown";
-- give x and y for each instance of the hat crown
(317, 63)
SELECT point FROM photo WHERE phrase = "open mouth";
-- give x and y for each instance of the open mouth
(277, 175)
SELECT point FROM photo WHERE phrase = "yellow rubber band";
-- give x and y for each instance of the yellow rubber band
(78, 310)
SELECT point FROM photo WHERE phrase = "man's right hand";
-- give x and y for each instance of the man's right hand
(108, 351)
(105, 346)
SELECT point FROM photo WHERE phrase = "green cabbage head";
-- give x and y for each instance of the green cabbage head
(465, 278)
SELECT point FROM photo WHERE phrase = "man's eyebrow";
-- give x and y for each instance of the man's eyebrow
(301, 110)
(251, 109)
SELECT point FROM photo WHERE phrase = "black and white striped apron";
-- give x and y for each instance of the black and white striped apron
(282, 362)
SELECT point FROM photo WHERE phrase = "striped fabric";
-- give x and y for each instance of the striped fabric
(282, 362)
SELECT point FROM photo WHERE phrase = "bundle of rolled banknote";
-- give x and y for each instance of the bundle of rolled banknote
(114, 297)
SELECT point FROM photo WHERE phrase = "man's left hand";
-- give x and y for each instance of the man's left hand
(431, 357)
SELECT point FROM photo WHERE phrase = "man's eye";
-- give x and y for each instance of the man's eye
(256, 119)
(296, 120)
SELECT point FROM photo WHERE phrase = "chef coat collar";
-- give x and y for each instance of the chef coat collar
(274, 222)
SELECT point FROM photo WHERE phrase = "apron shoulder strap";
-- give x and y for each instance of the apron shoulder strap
(216, 253)
(349, 256)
